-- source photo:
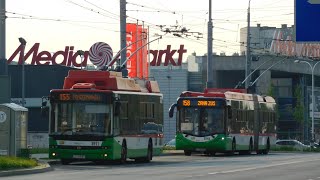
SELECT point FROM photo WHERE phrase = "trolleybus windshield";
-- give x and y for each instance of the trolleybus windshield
(202, 121)
(82, 118)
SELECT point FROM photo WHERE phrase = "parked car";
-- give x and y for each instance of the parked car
(171, 144)
(314, 145)
(290, 143)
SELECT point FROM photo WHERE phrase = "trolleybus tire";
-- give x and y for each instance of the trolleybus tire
(65, 161)
(150, 152)
(187, 153)
(250, 147)
(233, 147)
(123, 152)
(266, 151)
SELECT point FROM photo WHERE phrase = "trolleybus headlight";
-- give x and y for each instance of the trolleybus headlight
(222, 138)
(105, 155)
(53, 154)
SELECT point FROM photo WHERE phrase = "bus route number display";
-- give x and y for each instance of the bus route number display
(209, 103)
(79, 97)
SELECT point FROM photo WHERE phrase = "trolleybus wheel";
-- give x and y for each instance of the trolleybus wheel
(250, 147)
(187, 153)
(150, 152)
(266, 151)
(123, 152)
(65, 161)
(233, 147)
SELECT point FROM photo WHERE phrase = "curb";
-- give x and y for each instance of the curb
(172, 153)
(54, 162)
(43, 167)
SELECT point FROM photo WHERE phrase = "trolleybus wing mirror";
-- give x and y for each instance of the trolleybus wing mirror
(229, 112)
(44, 104)
(171, 110)
(44, 107)
(117, 108)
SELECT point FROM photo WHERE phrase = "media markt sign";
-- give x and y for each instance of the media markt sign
(307, 24)
(100, 54)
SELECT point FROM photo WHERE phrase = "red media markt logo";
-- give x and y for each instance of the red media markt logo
(100, 54)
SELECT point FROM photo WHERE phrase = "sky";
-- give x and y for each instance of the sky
(81, 23)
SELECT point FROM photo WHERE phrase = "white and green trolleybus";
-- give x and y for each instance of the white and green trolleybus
(224, 121)
(99, 116)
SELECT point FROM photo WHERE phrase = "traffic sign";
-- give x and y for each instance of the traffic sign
(307, 26)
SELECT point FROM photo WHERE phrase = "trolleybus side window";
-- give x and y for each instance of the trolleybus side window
(215, 120)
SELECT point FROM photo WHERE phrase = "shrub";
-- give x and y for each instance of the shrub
(15, 162)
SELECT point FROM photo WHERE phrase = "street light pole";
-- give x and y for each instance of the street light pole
(23, 43)
(312, 96)
(248, 51)
(209, 50)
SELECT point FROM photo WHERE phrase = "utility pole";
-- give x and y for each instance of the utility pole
(3, 61)
(148, 65)
(248, 54)
(137, 54)
(209, 52)
(5, 90)
(123, 32)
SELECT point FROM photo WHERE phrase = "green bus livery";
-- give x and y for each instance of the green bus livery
(224, 121)
(99, 116)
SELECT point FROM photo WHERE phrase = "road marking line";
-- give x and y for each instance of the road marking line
(253, 168)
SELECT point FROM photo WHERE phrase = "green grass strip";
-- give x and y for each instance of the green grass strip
(15, 162)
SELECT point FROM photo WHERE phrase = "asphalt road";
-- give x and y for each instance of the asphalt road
(279, 166)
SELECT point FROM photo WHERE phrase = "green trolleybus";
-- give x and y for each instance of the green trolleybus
(224, 121)
(99, 115)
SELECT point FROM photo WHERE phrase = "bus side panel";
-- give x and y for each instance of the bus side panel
(137, 146)
(242, 141)
(141, 110)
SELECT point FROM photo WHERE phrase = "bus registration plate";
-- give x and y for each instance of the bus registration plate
(79, 156)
